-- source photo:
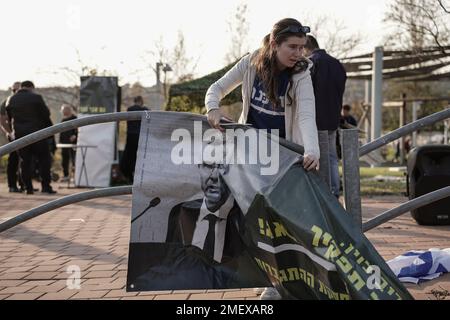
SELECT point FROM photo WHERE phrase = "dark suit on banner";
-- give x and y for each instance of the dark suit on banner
(186, 261)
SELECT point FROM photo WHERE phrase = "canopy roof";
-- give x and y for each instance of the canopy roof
(427, 65)
(196, 89)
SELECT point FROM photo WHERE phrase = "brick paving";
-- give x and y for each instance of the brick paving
(94, 235)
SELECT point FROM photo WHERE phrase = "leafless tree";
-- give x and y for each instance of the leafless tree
(183, 66)
(238, 28)
(332, 36)
(419, 23)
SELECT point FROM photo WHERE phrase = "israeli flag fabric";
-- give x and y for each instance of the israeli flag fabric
(414, 266)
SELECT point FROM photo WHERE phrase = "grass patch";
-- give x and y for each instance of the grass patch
(377, 188)
(380, 188)
(366, 172)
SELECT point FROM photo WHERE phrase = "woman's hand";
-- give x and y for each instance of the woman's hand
(214, 117)
(310, 162)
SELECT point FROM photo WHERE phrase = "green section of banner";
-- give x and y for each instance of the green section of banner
(310, 247)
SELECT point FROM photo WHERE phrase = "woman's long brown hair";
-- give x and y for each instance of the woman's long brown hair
(266, 60)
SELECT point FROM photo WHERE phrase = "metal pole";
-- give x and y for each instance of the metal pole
(415, 107)
(324, 171)
(367, 101)
(158, 74)
(446, 127)
(377, 92)
(58, 203)
(406, 207)
(350, 168)
(409, 128)
(402, 123)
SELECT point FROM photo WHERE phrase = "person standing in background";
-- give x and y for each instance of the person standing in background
(12, 171)
(68, 137)
(28, 113)
(128, 161)
(329, 78)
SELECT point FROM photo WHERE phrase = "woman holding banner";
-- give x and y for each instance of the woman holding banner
(277, 93)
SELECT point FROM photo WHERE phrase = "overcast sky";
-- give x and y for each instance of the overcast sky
(41, 37)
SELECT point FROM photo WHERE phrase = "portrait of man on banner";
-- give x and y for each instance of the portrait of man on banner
(203, 245)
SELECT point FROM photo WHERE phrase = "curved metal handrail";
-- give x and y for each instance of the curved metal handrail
(400, 132)
(406, 207)
(64, 201)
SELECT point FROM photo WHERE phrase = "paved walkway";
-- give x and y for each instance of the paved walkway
(94, 235)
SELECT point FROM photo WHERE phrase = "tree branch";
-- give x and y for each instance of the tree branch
(443, 7)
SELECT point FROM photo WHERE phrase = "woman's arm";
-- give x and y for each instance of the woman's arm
(233, 78)
(306, 109)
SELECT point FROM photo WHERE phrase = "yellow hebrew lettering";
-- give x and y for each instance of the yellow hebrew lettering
(343, 296)
(332, 251)
(260, 264)
(280, 231)
(322, 287)
(356, 280)
(268, 231)
(383, 284)
(360, 260)
(310, 280)
(293, 274)
(302, 274)
(349, 249)
(317, 235)
(374, 296)
(268, 268)
(344, 264)
(326, 238)
(261, 226)
(283, 276)
(366, 265)
(334, 295)
(275, 273)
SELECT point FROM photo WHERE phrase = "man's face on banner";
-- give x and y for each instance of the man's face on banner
(215, 189)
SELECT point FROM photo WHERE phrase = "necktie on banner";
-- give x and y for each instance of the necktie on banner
(280, 225)
(414, 266)
(211, 235)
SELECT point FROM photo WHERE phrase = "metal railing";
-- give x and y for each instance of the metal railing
(414, 203)
(58, 203)
(350, 156)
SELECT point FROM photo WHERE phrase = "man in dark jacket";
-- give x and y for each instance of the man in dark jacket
(347, 120)
(128, 161)
(328, 77)
(67, 137)
(13, 159)
(28, 113)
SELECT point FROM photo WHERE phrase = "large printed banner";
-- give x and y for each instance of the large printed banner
(234, 209)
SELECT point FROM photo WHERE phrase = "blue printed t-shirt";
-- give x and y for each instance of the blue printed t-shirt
(262, 114)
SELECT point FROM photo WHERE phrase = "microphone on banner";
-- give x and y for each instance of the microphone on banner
(153, 203)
